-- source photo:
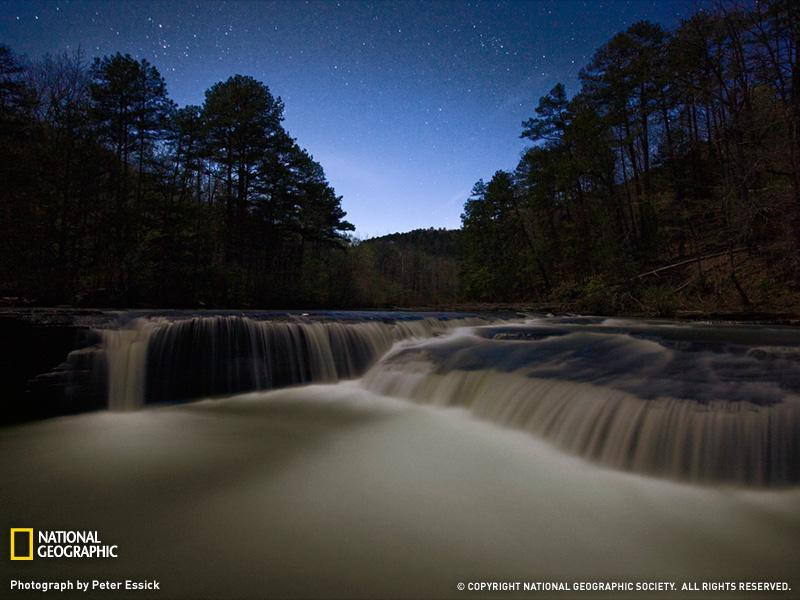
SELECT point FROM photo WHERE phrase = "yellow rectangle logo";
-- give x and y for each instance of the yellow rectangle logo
(21, 532)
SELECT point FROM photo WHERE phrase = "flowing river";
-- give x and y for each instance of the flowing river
(397, 456)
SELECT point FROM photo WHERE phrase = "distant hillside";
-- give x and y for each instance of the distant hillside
(436, 242)
(408, 269)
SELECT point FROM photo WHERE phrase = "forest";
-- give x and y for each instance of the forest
(114, 196)
(669, 181)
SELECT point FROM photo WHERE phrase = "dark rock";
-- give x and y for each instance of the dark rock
(50, 365)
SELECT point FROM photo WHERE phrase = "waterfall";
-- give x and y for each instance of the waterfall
(627, 403)
(125, 353)
(159, 359)
(695, 403)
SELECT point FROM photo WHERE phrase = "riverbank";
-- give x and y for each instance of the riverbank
(56, 316)
(775, 317)
(760, 289)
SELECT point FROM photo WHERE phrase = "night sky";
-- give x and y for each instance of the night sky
(405, 104)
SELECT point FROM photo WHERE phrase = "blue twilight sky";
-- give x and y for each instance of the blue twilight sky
(405, 104)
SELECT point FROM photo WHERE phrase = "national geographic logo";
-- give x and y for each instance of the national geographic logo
(58, 544)
(21, 543)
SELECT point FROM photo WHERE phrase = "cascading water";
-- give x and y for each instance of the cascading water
(679, 403)
(696, 402)
(125, 353)
(160, 359)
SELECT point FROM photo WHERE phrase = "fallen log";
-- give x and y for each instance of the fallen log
(689, 261)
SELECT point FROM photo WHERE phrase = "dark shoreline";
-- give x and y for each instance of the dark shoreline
(72, 315)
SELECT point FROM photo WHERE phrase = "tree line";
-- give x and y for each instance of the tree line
(680, 147)
(419, 268)
(111, 194)
(671, 178)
